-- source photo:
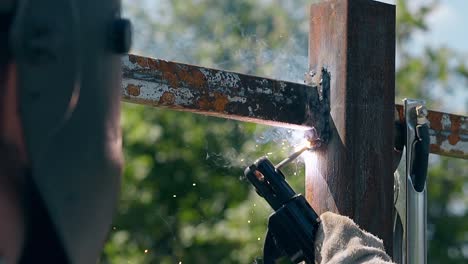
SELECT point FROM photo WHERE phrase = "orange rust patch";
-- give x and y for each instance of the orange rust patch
(401, 114)
(172, 72)
(133, 90)
(144, 62)
(175, 74)
(152, 63)
(192, 77)
(434, 148)
(456, 122)
(220, 102)
(453, 138)
(455, 129)
(217, 103)
(204, 103)
(435, 119)
(167, 98)
(171, 79)
(141, 61)
(169, 73)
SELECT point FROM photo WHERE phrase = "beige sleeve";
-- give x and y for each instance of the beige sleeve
(340, 240)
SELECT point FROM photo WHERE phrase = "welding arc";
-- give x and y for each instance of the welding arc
(291, 158)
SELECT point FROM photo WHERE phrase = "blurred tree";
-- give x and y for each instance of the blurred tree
(430, 74)
(182, 198)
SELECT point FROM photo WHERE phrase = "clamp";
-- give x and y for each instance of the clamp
(410, 216)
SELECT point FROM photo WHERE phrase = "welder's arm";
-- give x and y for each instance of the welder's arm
(340, 240)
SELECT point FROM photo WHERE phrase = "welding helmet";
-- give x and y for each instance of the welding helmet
(68, 75)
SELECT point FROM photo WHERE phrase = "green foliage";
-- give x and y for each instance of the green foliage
(430, 72)
(183, 198)
(447, 213)
(247, 36)
(411, 21)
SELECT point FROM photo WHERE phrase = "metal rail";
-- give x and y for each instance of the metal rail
(219, 93)
(184, 87)
(448, 133)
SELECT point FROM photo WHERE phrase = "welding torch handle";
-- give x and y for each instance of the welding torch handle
(292, 227)
(269, 183)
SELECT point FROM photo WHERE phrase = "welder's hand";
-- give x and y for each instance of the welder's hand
(340, 240)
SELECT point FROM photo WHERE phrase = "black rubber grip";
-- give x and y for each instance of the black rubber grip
(421, 157)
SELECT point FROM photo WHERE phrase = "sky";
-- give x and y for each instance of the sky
(448, 26)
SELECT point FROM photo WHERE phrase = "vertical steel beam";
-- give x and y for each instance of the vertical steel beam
(354, 40)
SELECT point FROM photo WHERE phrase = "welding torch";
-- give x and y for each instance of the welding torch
(313, 142)
(292, 227)
(291, 157)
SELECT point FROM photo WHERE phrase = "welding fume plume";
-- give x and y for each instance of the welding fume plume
(313, 142)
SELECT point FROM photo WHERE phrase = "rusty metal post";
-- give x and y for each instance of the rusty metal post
(354, 40)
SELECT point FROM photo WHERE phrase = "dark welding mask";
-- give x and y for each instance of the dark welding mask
(69, 74)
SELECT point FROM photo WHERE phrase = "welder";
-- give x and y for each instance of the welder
(60, 142)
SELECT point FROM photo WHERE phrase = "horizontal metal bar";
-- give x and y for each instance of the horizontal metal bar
(261, 100)
(448, 132)
(219, 93)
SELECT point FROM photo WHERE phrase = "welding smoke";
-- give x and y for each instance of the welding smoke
(219, 39)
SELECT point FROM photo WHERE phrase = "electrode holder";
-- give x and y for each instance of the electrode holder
(292, 227)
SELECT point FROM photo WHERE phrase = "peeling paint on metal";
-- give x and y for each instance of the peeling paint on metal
(282, 85)
(453, 148)
(229, 79)
(133, 90)
(167, 98)
(219, 93)
(464, 123)
(232, 95)
(446, 124)
(263, 91)
(250, 111)
(239, 99)
(127, 64)
(448, 133)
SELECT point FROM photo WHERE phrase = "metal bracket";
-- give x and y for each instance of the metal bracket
(321, 82)
(410, 188)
